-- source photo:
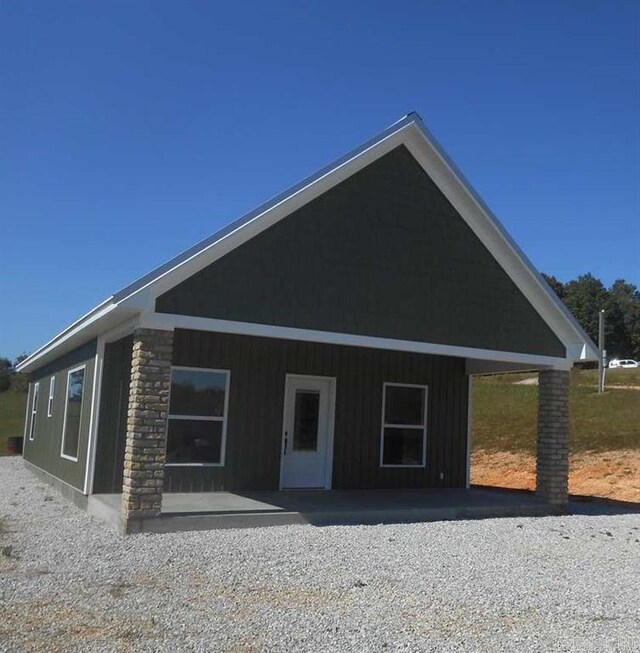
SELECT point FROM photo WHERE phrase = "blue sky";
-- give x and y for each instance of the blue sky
(130, 130)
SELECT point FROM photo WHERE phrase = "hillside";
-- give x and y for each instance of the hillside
(605, 433)
(12, 408)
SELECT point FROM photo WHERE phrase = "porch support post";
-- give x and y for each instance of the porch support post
(552, 463)
(145, 448)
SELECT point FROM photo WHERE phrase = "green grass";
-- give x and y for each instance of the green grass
(505, 415)
(12, 408)
(616, 376)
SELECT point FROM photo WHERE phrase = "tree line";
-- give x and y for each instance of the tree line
(584, 296)
(587, 295)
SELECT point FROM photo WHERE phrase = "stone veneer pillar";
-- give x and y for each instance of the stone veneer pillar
(552, 463)
(145, 448)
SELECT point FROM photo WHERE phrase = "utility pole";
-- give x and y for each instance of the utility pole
(602, 352)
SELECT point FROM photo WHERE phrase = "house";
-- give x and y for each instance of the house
(328, 339)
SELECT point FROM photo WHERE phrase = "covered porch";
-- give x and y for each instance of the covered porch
(245, 488)
(213, 510)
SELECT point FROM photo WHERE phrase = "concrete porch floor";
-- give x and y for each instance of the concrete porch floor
(210, 510)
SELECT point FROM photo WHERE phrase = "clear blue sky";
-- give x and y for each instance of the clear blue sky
(130, 130)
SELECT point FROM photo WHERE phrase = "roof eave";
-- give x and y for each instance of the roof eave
(75, 334)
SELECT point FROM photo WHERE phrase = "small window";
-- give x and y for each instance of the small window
(73, 414)
(34, 411)
(52, 389)
(197, 416)
(404, 425)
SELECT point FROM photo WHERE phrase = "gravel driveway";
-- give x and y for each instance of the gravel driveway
(69, 583)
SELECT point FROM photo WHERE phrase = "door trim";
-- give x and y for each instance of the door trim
(328, 467)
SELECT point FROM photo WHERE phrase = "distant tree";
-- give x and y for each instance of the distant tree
(623, 316)
(585, 297)
(20, 382)
(556, 285)
(6, 374)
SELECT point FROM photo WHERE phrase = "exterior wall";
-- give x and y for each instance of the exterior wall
(256, 400)
(112, 426)
(382, 254)
(44, 451)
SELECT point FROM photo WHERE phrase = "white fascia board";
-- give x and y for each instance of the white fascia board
(72, 330)
(82, 331)
(495, 238)
(169, 322)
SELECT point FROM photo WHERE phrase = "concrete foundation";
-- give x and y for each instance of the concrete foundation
(212, 510)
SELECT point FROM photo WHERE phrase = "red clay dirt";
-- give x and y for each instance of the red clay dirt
(610, 474)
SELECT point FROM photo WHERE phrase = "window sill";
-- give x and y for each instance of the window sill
(194, 465)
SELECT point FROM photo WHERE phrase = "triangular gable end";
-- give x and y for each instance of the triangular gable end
(410, 132)
(383, 254)
(413, 135)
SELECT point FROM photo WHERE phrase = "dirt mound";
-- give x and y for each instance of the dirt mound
(611, 474)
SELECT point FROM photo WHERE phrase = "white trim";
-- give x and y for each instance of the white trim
(66, 409)
(52, 390)
(27, 413)
(34, 411)
(204, 418)
(492, 234)
(423, 427)
(172, 321)
(469, 428)
(76, 328)
(198, 418)
(328, 467)
(187, 368)
(96, 392)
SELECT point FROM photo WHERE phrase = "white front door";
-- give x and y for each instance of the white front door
(307, 431)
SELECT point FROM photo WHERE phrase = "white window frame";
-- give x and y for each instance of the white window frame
(52, 390)
(422, 427)
(66, 408)
(34, 411)
(204, 418)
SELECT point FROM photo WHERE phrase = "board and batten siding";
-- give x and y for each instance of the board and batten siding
(44, 450)
(112, 424)
(382, 254)
(254, 430)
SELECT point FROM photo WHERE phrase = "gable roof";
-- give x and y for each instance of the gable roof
(411, 132)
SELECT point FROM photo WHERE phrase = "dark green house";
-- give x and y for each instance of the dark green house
(326, 340)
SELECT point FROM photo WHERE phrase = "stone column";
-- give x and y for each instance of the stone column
(145, 448)
(552, 464)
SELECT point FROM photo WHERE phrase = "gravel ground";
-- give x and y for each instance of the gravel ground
(69, 583)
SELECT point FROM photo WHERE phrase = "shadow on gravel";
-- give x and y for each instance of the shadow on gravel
(578, 504)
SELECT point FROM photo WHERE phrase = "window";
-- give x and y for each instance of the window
(73, 414)
(197, 416)
(34, 411)
(404, 425)
(52, 389)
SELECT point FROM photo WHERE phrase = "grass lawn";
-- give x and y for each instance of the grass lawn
(616, 376)
(505, 415)
(12, 408)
